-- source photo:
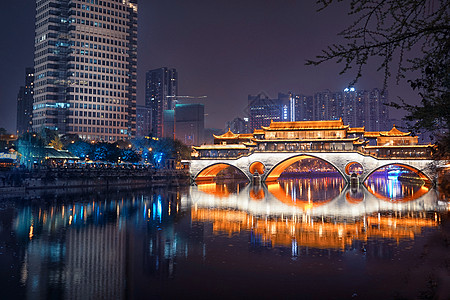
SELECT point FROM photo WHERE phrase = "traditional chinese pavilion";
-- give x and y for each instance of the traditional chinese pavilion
(313, 136)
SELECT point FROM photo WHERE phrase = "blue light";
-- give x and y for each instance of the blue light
(157, 157)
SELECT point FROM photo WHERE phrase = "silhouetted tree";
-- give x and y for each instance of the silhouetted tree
(393, 30)
(80, 148)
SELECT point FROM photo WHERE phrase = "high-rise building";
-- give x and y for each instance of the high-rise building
(304, 106)
(25, 103)
(377, 117)
(85, 65)
(189, 123)
(160, 91)
(143, 120)
(328, 105)
(237, 125)
(262, 110)
(354, 109)
(357, 108)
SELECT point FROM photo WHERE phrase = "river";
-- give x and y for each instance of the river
(304, 238)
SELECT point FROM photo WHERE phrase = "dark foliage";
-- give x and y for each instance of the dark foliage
(415, 34)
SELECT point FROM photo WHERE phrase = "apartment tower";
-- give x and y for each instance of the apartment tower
(85, 65)
(161, 89)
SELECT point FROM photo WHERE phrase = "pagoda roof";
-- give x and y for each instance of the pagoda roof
(394, 132)
(245, 135)
(258, 131)
(306, 125)
(356, 130)
(371, 134)
(221, 147)
(229, 135)
(306, 140)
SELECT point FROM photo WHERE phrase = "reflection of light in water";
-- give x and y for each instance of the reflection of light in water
(392, 187)
(315, 232)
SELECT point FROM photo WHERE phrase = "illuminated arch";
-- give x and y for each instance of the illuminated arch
(350, 164)
(209, 173)
(276, 171)
(257, 166)
(408, 167)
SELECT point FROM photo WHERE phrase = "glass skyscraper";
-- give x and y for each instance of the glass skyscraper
(85, 68)
(25, 103)
(161, 89)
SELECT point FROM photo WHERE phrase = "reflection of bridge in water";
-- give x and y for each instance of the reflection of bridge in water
(335, 223)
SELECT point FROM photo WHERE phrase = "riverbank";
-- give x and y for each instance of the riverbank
(16, 183)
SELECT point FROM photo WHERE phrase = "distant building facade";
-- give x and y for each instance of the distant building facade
(262, 110)
(190, 123)
(160, 91)
(85, 64)
(358, 108)
(237, 125)
(143, 121)
(25, 103)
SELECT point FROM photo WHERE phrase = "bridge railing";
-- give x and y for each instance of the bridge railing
(395, 155)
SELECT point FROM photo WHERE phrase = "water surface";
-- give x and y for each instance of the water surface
(309, 238)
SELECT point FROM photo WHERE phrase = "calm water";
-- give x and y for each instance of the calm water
(312, 238)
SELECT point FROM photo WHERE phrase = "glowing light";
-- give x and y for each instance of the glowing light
(30, 234)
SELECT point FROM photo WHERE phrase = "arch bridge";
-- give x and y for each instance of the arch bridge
(270, 165)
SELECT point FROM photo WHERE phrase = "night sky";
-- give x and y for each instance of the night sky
(222, 49)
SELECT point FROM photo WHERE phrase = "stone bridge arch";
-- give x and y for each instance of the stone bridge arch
(416, 170)
(339, 160)
(209, 172)
(274, 172)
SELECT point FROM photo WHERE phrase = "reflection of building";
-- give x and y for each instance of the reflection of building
(313, 234)
(85, 64)
(95, 262)
(304, 136)
(161, 86)
(25, 103)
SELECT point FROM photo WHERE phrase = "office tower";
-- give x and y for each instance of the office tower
(85, 65)
(143, 120)
(328, 105)
(304, 107)
(287, 106)
(237, 125)
(261, 110)
(377, 117)
(160, 91)
(354, 108)
(169, 123)
(25, 103)
(190, 123)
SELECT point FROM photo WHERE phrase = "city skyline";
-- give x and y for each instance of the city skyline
(247, 49)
